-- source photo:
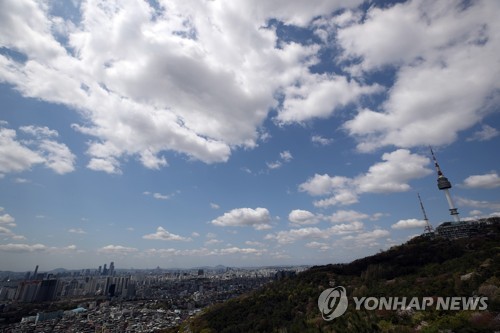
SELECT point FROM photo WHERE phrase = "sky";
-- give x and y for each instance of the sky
(244, 133)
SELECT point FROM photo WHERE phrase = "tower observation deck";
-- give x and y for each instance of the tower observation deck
(444, 185)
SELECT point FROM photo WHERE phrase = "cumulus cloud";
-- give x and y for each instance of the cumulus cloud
(22, 248)
(318, 139)
(117, 250)
(142, 76)
(20, 155)
(29, 248)
(303, 217)
(439, 50)
(162, 234)
(489, 180)
(204, 252)
(258, 218)
(7, 222)
(347, 216)
(368, 238)
(391, 175)
(408, 224)
(14, 156)
(285, 157)
(293, 235)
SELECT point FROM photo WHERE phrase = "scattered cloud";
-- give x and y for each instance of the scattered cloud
(29, 248)
(212, 241)
(21, 248)
(214, 205)
(20, 155)
(391, 175)
(285, 157)
(162, 234)
(317, 139)
(257, 218)
(303, 217)
(415, 39)
(77, 231)
(477, 203)
(160, 196)
(486, 133)
(486, 181)
(368, 238)
(117, 250)
(319, 245)
(409, 224)
(341, 216)
(293, 235)
(7, 222)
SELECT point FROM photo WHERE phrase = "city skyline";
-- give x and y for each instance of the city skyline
(201, 133)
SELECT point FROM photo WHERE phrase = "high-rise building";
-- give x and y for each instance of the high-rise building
(112, 268)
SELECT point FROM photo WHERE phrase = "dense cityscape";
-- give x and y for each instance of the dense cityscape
(107, 299)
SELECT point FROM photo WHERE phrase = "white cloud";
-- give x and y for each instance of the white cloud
(293, 235)
(303, 217)
(21, 248)
(321, 140)
(324, 184)
(212, 241)
(391, 175)
(408, 224)
(6, 223)
(57, 156)
(318, 245)
(286, 156)
(489, 180)
(368, 238)
(319, 96)
(142, 76)
(162, 234)
(446, 77)
(486, 133)
(77, 231)
(257, 218)
(347, 216)
(477, 203)
(161, 196)
(214, 205)
(254, 243)
(39, 132)
(117, 250)
(17, 156)
(8, 220)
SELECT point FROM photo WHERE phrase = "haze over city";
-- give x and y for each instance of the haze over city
(241, 133)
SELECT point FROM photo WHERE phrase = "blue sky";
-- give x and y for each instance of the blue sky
(190, 133)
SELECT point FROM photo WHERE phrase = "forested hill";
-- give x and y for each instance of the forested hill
(422, 267)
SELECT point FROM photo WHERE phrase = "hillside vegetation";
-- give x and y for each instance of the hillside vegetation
(421, 267)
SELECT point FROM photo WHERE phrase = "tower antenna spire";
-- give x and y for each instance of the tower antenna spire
(428, 227)
(444, 185)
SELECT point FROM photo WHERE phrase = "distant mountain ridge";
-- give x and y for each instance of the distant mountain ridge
(422, 267)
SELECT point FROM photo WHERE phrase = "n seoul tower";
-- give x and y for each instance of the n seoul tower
(444, 185)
